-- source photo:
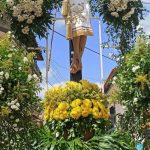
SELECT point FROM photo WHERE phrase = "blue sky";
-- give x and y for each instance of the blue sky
(59, 72)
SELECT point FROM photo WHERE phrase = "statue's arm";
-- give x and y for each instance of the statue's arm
(65, 8)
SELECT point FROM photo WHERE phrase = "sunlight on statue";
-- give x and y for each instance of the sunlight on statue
(78, 27)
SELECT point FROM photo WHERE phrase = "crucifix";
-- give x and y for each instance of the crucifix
(78, 27)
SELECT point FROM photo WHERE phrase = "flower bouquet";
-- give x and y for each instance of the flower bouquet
(122, 17)
(75, 110)
(29, 18)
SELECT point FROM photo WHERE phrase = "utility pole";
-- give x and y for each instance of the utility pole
(78, 76)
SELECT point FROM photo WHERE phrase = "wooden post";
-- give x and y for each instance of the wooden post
(78, 76)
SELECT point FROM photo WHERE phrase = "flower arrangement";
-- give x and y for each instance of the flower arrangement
(122, 17)
(29, 18)
(79, 106)
(18, 96)
(133, 80)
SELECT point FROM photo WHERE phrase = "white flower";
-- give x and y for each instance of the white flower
(14, 107)
(20, 18)
(14, 102)
(119, 9)
(25, 59)
(11, 117)
(118, 59)
(9, 104)
(35, 77)
(25, 30)
(15, 125)
(125, 18)
(40, 2)
(17, 104)
(135, 68)
(115, 14)
(10, 2)
(20, 129)
(124, 7)
(9, 32)
(29, 21)
(9, 55)
(135, 100)
(1, 73)
(111, 8)
(139, 27)
(57, 134)
(32, 17)
(19, 68)
(17, 120)
(29, 78)
(16, 129)
(7, 75)
(113, 82)
(1, 89)
(124, 107)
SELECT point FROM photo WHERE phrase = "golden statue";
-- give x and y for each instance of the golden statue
(78, 27)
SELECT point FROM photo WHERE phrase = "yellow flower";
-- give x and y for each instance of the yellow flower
(76, 103)
(63, 106)
(100, 105)
(51, 115)
(142, 79)
(87, 103)
(63, 115)
(85, 112)
(94, 103)
(96, 113)
(5, 111)
(76, 112)
(46, 113)
(46, 116)
(56, 114)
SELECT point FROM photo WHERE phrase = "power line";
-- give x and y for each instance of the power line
(86, 47)
(65, 68)
(60, 76)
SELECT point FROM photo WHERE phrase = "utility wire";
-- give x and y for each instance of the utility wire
(86, 47)
(65, 68)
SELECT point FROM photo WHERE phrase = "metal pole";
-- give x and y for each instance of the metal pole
(47, 58)
(101, 55)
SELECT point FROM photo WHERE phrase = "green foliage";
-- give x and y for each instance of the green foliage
(133, 79)
(84, 128)
(121, 32)
(2, 5)
(115, 141)
(18, 97)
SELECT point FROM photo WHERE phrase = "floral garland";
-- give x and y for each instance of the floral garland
(29, 18)
(122, 17)
(26, 11)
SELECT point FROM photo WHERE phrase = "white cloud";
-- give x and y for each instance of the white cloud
(146, 24)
